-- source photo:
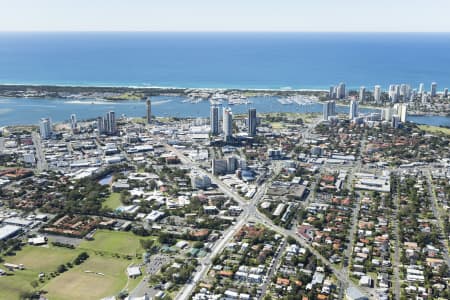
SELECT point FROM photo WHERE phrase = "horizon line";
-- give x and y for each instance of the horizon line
(219, 31)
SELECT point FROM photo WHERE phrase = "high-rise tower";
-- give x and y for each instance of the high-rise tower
(252, 122)
(149, 110)
(214, 120)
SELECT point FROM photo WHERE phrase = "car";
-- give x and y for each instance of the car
(346, 262)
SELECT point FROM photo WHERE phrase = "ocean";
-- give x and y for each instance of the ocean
(212, 60)
(225, 60)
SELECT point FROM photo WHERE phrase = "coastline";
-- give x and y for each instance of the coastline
(14, 86)
(138, 94)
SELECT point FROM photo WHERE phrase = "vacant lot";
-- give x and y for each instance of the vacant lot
(97, 277)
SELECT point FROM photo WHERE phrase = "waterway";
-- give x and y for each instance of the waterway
(28, 111)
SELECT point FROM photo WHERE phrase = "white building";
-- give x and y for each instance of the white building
(433, 89)
(111, 126)
(401, 111)
(387, 114)
(353, 109)
(421, 88)
(424, 98)
(341, 92)
(362, 93)
(377, 93)
(45, 127)
(133, 271)
(395, 121)
(329, 109)
(394, 92)
(227, 124)
(199, 181)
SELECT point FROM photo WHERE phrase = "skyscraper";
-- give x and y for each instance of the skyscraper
(377, 93)
(394, 93)
(111, 126)
(100, 125)
(362, 93)
(341, 91)
(387, 114)
(227, 124)
(395, 122)
(402, 112)
(433, 89)
(73, 122)
(332, 94)
(353, 109)
(329, 109)
(421, 89)
(405, 91)
(446, 92)
(424, 98)
(252, 122)
(45, 128)
(149, 110)
(214, 120)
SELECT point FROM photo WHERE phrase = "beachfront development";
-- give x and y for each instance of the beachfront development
(330, 205)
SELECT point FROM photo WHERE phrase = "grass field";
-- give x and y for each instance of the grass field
(35, 260)
(77, 284)
(435, 129)
(113, 201)
(124, 243)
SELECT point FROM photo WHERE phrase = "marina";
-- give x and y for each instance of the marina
(28, 111)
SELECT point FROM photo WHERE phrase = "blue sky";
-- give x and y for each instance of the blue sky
(226, 15)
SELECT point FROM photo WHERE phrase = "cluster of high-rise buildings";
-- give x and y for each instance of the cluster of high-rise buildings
(227, 122)
(395, 114)
(338, 91)
(107, 124)
(395, 93)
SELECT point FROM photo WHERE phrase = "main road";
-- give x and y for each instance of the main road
(41, 163)
(250, 212)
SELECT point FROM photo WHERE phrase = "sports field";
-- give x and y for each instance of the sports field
(98, 277)
(75, 283)
(35, 260)
(114, 242)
